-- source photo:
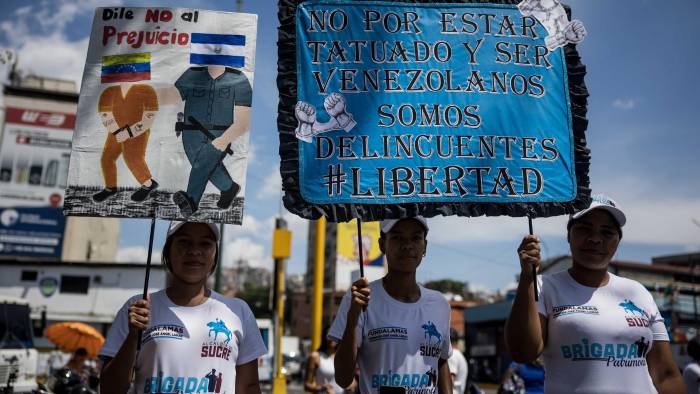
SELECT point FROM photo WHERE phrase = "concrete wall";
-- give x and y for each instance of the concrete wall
(90, 239)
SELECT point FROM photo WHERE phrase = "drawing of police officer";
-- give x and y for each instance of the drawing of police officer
(217, 112)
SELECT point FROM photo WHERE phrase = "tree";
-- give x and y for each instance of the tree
(449, 286)
(258, 298)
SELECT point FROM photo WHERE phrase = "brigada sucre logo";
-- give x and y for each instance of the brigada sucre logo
(635, 316)
(414, 383)
(431, 348)
(163, 384)
(615, 354)
(612, 354)
(219, 337)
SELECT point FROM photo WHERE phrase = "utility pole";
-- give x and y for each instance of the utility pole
(281, 250)
(319, 264)
(217, 271)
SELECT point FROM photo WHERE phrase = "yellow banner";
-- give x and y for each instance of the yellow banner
(347, 244)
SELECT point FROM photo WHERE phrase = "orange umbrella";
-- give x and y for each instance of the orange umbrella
(70, 336)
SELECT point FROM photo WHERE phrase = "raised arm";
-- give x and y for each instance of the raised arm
(346, 355)
(526, 329)
(115, 377)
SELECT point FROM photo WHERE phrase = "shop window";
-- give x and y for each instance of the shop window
(74, 284)
(29, 276)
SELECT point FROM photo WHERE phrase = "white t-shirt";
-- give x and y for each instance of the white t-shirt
(190, 349)
(691, 377)
(399, 343)
(458, 367)
(598, 338)
(325, 373)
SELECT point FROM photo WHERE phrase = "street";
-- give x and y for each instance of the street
(293, 387)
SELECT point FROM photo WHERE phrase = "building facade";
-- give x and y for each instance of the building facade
(38, 118)
(91, 293)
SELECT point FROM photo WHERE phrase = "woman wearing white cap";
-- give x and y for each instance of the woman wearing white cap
(194, 339)
(400, 340)
(598, 332)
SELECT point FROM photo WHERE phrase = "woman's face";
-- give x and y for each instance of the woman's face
(593, 239)
(331, 346)
(404, 246)
(192, 253)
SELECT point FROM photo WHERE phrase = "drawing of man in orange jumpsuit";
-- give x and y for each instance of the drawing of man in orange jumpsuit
(127, 111)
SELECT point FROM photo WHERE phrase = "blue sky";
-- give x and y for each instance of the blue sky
(644, 85)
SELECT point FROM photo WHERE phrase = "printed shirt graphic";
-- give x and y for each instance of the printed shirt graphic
(190, 349)
(399, 343)
(598, 337)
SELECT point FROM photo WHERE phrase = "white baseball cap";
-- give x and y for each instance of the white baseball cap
(601, 201)
(176, 225)
(387, 224)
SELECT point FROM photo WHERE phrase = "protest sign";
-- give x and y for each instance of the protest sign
(163, 117)
(399, 108)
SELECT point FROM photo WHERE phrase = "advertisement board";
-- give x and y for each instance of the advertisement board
(31, 232)
(34, 156)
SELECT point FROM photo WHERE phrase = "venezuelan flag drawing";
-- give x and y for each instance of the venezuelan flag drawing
(126, 68)
(217, 49)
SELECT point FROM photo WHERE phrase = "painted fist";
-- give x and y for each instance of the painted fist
(306, 117)
(575, 32)
(335, 106)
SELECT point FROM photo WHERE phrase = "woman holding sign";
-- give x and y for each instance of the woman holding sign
(598, 332)
(194, 339)
(396, 331)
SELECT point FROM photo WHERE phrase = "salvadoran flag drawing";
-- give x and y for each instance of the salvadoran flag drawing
(217, 49)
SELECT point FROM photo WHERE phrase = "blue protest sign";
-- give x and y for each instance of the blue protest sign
(451, 108)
